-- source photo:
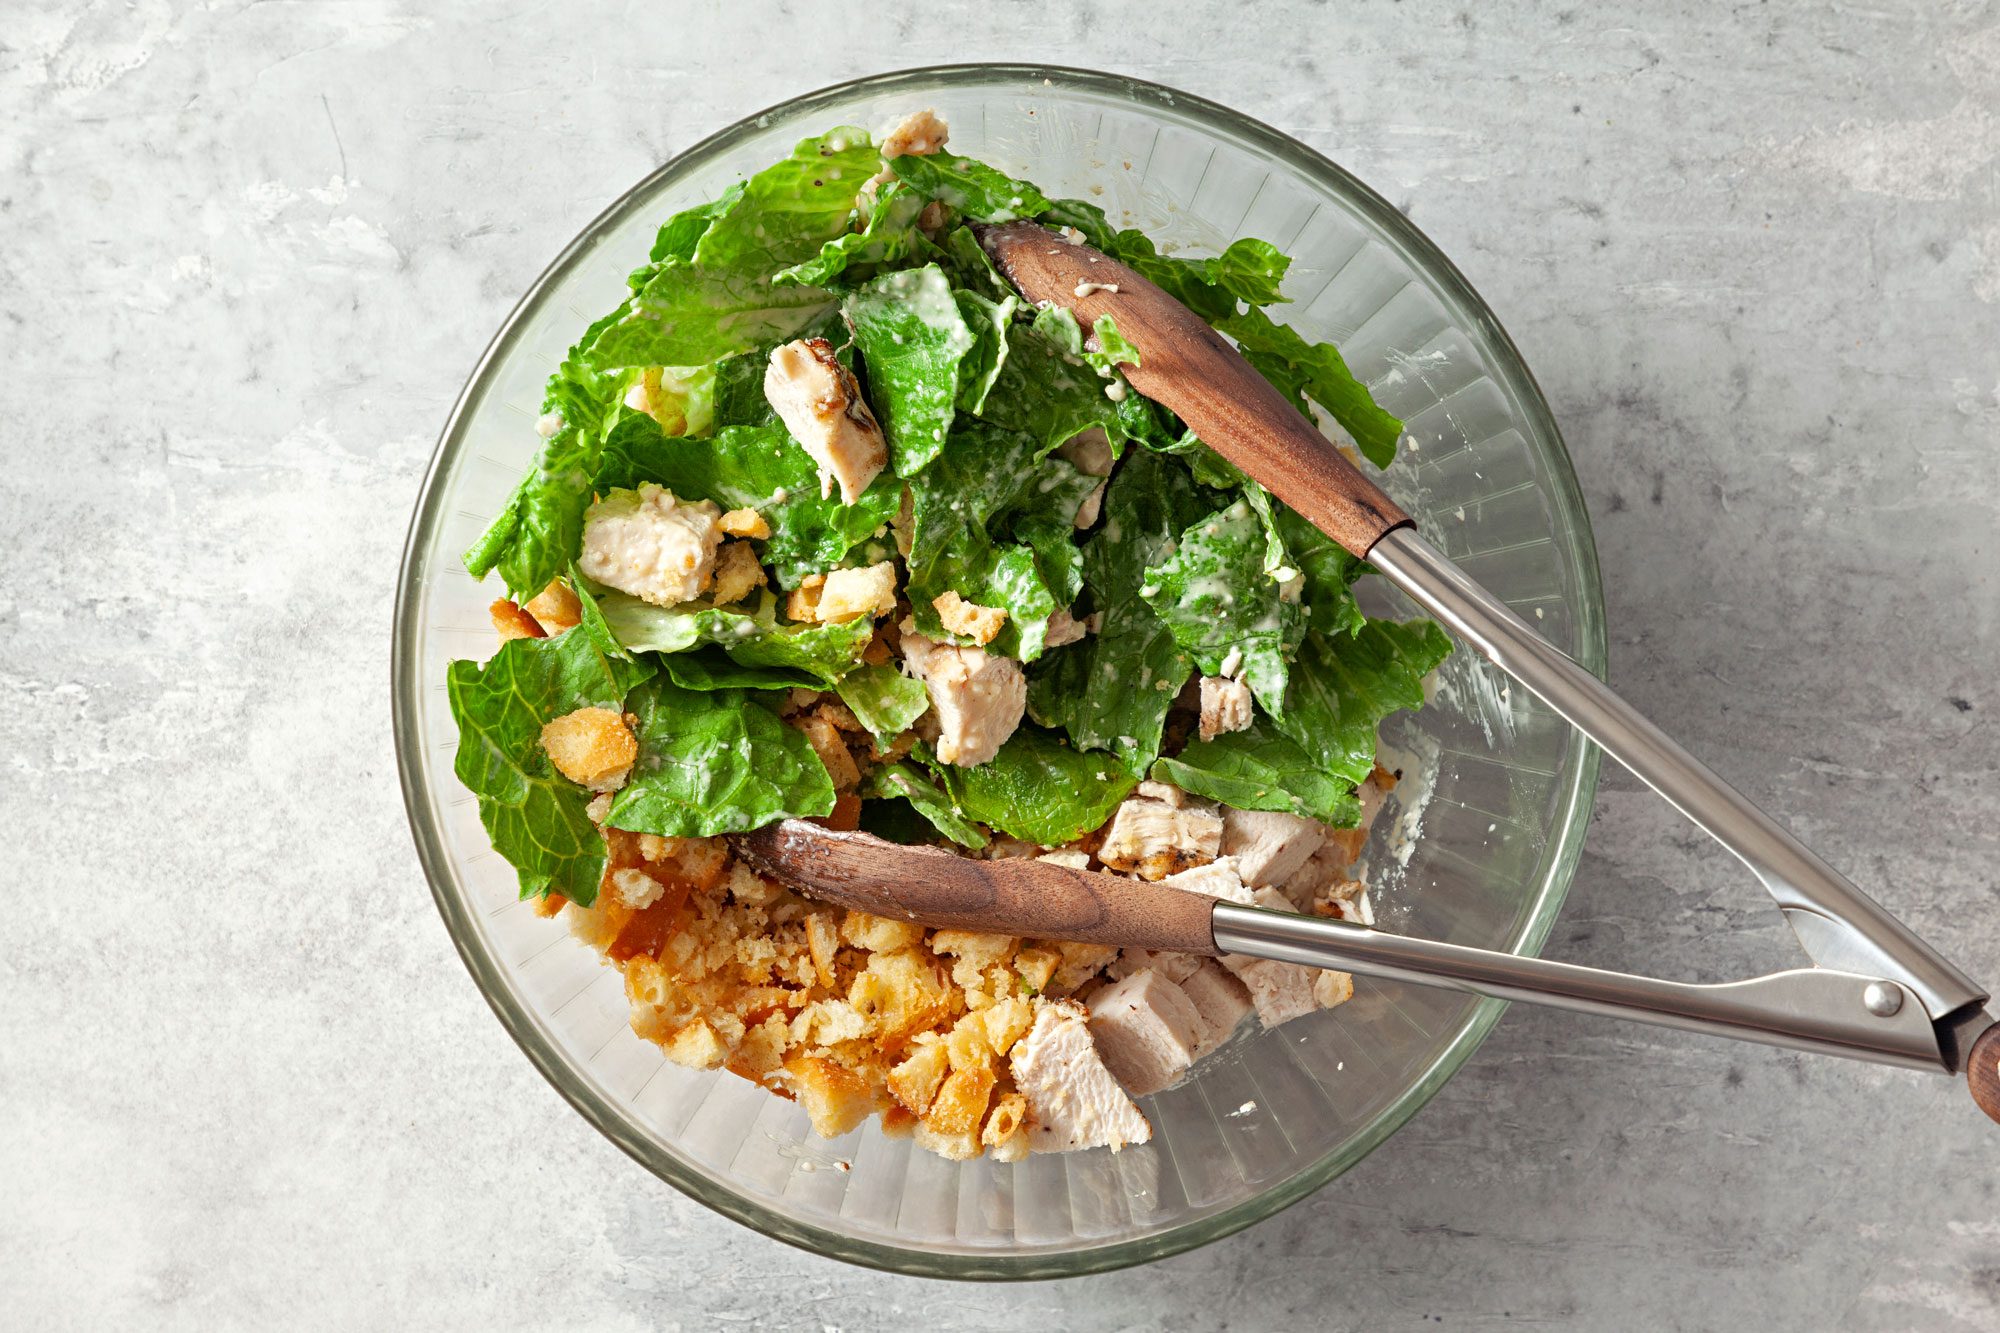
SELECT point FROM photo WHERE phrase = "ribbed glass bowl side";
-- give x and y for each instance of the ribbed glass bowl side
(1480, 849)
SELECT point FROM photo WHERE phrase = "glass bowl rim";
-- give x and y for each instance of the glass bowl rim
(1507, 369)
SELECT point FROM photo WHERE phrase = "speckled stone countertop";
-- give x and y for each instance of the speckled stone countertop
(248, 253)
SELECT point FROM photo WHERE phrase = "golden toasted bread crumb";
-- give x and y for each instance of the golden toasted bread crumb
(975, 622)
(591, 746)
(514, 623)
(744, 523)
(556, 607)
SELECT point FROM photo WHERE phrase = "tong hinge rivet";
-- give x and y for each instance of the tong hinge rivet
(1882, 998)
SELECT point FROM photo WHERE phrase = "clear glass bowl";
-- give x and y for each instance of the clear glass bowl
(1275, 1115)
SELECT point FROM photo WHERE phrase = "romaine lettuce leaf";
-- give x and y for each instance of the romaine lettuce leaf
(988, 322)
(680, 234)
(761, 468)
(539, 531)
(903, 783)
(1342, 686)
(961, 256)
(1216, 596)
(1058, 324)
(955, 505)
(720, 299)
(1048, 393)
(715, 762)
(911, 337)
(752, 638)
(1303, 370)
(712, 669)
(891, 235)
(970, 186)
(1329, 572)
(1260, 769)
(883, 699)
(1038, 788)
(1112, 690)
(534, 815)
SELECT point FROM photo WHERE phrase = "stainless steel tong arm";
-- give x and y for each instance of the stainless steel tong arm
(1854, 940)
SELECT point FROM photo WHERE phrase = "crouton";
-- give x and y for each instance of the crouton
(737, 571)
(846, 594)
(555, 607)
(968, 619)
(591, 746)
(744, 523)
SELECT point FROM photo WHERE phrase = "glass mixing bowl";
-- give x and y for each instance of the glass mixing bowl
(1481, 851)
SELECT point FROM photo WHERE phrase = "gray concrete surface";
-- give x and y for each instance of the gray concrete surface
(247, 254)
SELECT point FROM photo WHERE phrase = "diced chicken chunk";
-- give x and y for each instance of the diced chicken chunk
(591, 746)
(1172, 966)
(1092, 506)
(1280, 991)
(1162, 791)
(1073, 1101)
(914, 135)
(973, 621)
(1218, 879)
(1063, 628)
(821, 405)
(1220, 1001)
(849, 593)
(1154, 839)
(1225, 706)
(978, 697)
(1089, 452)
(737, 571)
(651, 545)
(1146, 1029)
(1270, 846)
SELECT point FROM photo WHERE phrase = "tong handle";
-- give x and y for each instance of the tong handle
(1809, 1009)
(1982, 1071)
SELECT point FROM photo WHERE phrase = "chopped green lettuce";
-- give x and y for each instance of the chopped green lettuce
(1224, 607)
(534, 815)
(722, 298)
(1329, 573)
(1342, 686)
(1049, 393)
(988, 322)
(971, 187)
(714, 762)
(1261, 769)
(1303, 370)
(902, 782)
(751, 638)
(891, 235)
(883, 699)
(1038, 788)
(911, 336)
(1112, 690)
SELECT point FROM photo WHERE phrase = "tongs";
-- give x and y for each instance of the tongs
(1875, 990)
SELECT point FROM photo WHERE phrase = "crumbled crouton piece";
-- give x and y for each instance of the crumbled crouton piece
(973, 952)
(591, 746)
(952, 1147)
(513, 623)
(848, 593)
(697, 1046)
(636, 889)
(744, 523)
(961, 1100)
(556, 607)
(821, 405)
(879, 934)
(836, 1098)
(1332, 988)
(1006, 1020)
(1079, 963)
(823, 942)
(737, 571)
(1225, 706)
(832, 751)
(1005, 1126)
(802, 603)
(916, 1080)
(916, 134)
(1035, 967)
(973, 621)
